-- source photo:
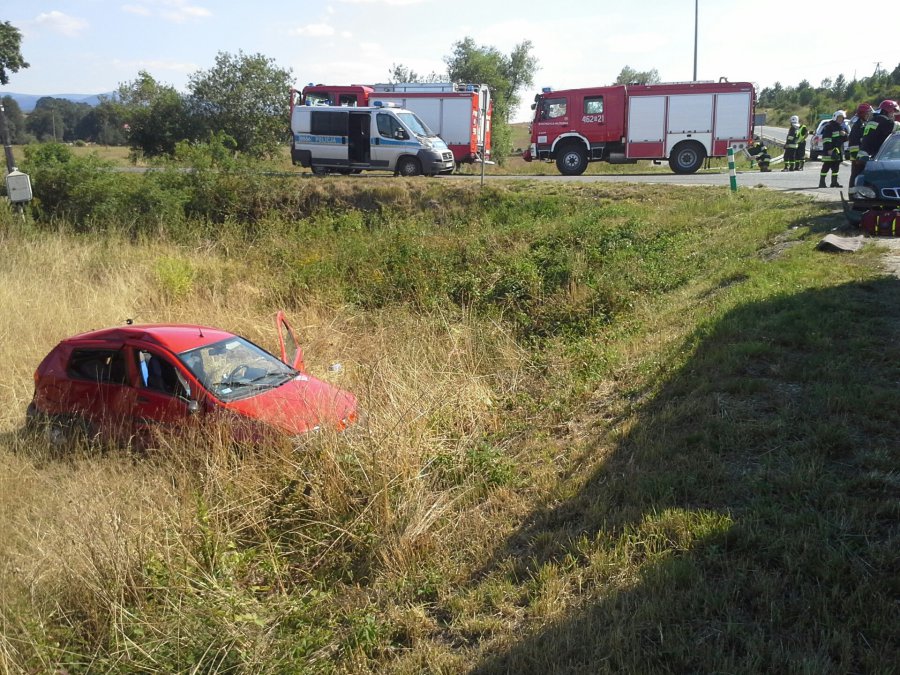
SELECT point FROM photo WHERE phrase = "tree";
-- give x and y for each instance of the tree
(629, 75)
(10, 54)
(505, 75)
(155, 116)
(246, 97)
(56, 119)
(401, 73)
(15, 121)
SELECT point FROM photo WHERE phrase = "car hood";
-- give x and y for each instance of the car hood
(299, 405)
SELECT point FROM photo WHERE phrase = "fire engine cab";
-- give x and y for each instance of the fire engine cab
(682, 122)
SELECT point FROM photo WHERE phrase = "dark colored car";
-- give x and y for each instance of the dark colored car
(120, 384)
(878, 186)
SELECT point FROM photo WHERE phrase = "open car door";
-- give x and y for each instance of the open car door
(291, 353)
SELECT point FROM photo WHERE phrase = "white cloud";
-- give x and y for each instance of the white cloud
(313, 30)
(58, 22)
(175, 11)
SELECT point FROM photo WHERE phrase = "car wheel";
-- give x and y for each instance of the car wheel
(687, 157)
(571, 160)
(408, 166)
(319, 170)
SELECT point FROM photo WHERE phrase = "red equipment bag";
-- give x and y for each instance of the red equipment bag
(881, 223)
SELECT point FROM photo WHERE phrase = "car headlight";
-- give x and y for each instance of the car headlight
(865, 192)
(427, 144)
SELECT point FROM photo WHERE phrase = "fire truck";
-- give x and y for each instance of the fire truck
(682, 122)
(459, 113)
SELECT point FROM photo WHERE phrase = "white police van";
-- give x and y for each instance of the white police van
(346, 140)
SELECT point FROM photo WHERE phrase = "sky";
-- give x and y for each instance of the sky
(91, 46)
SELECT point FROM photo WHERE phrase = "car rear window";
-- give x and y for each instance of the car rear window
(98, 365)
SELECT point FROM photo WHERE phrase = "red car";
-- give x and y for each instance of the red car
(117, 384)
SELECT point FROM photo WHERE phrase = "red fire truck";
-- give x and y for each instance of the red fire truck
(459, 113)
(683, 122)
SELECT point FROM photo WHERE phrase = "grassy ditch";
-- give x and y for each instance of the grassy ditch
(607, 428)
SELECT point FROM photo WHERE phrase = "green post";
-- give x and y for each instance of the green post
(731, 170)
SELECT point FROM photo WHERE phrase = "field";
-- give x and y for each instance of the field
(607, 429)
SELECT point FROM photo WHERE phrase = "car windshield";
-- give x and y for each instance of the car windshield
(891, 149)
(236, 368)
(417, 126)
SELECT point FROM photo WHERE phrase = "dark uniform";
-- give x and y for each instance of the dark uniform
(833, 136)
(760, 153)
(795, 145)
(856, 133)
(876, 131)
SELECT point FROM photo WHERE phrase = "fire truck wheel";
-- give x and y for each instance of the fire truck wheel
(571, 160)
(408, 166)
(687, 157)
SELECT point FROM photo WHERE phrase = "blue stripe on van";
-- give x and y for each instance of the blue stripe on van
(319, 140)
(391, 141)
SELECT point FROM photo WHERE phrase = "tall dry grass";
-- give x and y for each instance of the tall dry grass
(101, 546)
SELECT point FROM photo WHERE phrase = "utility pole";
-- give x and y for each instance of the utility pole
(7, 148)
(696, 15)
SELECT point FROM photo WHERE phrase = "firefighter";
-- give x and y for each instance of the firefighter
(833, 136)
(795, 145)
(878, 129)
(760, 153)
(863, 115)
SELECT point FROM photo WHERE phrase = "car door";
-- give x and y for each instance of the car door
(163, 391)
(291, 352)
(99, 389)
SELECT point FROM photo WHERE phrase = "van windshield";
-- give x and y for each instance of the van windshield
(417, 126)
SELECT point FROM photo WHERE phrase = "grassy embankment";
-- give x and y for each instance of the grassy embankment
(630, 429)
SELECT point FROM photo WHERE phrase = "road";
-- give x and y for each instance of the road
(800, 182)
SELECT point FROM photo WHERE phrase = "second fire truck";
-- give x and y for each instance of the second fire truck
(683, 123)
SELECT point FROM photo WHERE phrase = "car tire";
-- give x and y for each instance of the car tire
(408, 167)
(571, 160)
(687, 157)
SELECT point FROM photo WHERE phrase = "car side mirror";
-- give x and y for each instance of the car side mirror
(400, 134)
(193, 407)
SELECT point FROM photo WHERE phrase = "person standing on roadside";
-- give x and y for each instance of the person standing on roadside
(795, 145)
(863, 115)
(878, 129)
(833, 136)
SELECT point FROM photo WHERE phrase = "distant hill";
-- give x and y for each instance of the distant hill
(27, 101)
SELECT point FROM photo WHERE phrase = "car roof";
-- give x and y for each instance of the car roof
(174, 337)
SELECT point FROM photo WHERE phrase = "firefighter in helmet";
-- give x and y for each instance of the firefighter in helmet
(760, 153)
(795, 145)
(863, 115)
(834, 133)
(878, 129)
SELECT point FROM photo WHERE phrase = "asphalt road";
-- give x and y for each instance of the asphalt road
(800, 182)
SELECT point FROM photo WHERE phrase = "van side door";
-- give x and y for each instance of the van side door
(328, 138)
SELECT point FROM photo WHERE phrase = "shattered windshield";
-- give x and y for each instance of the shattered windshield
(236, 368)
(417, 126)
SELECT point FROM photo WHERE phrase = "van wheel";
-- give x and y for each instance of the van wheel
(319, 171)
(572, 160)
(409, 166)
(687, 157)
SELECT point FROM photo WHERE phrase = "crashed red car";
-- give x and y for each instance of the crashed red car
(119, 384)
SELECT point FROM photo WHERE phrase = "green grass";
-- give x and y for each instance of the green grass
(611, 429)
